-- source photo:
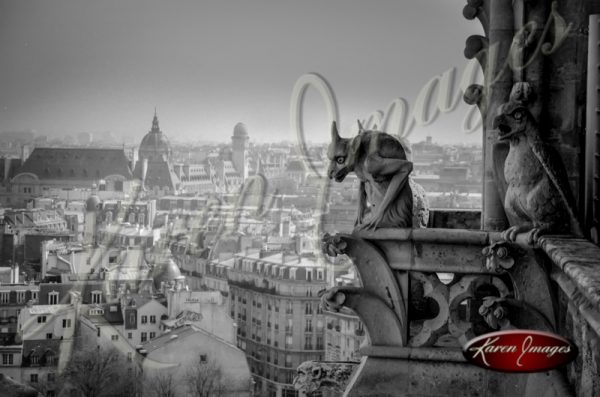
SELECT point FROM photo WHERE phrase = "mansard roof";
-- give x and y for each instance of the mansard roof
(77, 163)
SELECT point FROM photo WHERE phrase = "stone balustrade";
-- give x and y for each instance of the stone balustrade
(425, 292)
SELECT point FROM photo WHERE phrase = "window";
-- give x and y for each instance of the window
(203, 358)
(96, 297)
(319, 342)
(33, 378)
(290, 308)
(35, 359)
(308, 309)
(34, 295)
(308, 343)
(288, 341)
(4, 297)
(308, 327)
(41, 319)
(144, 336)
(20, 296)
(152, 319)
(129, 335)
(288, 360)
(49, 336)
(98, 332)
(152, 335)
(114, 337)
(129, 356)
(144, 319)
(66, 323)
(7, 359)
(51, 377)
(53, 298)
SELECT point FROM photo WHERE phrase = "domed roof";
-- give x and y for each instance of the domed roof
(93, 203)
(155, 141)
(240, 130)
(296, 165)
(165, 270)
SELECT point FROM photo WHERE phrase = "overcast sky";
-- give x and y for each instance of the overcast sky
(69, 66)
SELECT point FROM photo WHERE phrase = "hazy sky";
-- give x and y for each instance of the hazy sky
(69, 66)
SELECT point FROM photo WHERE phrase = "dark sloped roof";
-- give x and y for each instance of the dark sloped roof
(159, 173)
(43, 348)
(63, 289)
(77, 163)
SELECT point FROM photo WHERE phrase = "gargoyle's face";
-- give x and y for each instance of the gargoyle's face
(340, 156)
(339, 165)
(511, 121)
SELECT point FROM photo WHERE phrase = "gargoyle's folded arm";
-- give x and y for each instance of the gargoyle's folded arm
(380, 166)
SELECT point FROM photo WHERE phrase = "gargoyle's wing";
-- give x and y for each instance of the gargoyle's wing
(550, 159)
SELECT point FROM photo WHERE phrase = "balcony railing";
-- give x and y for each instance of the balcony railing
(423, 298)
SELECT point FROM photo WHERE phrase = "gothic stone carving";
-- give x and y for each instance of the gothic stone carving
(538, 196)
(314, 375)
(498, 257)
(379, 161)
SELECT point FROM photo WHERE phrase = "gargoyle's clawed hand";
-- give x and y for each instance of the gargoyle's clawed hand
(510, 234)
(534, 234)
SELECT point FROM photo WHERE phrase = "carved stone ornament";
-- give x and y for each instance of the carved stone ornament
(498, 257)
(495, 313)
(314, 375)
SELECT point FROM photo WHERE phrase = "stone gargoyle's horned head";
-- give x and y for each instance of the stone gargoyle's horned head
(341, 156)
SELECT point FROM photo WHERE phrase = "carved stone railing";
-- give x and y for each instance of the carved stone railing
(576, 271)
(425, 292)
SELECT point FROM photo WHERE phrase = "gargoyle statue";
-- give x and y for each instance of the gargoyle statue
(379, 161)
(538, 196)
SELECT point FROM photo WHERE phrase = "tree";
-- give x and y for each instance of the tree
(99, 373)
(204, 379)
(160, 385)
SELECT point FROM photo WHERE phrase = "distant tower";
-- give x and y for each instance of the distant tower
(92, 206)
(239, 143)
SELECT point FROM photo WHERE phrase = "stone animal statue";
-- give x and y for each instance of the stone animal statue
(538, 197)
(386, 193)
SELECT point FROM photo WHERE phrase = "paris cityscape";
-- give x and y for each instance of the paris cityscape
(125, 247)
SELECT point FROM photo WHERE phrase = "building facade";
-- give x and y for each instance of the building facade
(275, 302)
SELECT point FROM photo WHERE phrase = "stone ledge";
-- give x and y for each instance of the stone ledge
(579, 259)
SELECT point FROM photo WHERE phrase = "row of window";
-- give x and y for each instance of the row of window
(144, 319)
(5, 296)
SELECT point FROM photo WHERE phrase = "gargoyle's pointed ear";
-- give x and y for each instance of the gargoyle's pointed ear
(360, 127)
(335, 136)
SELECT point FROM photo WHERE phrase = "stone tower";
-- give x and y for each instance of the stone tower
(239, 144)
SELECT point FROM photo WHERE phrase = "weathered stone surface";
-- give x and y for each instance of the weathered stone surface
(315, 376)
